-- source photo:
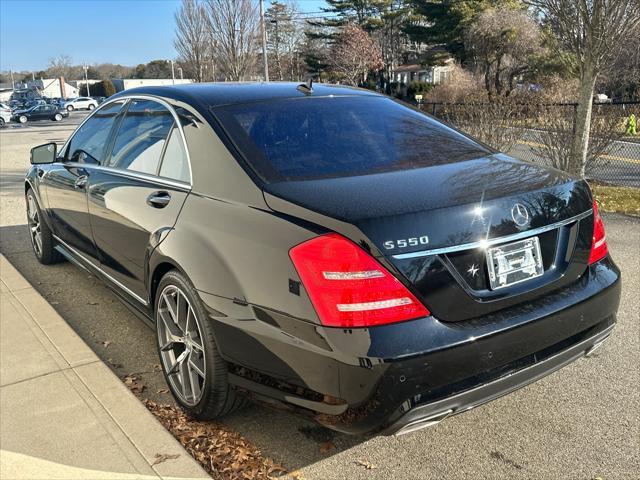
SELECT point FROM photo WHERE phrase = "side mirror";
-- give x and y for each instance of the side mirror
(44, 154)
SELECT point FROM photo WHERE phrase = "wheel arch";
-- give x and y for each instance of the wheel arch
(159, 270)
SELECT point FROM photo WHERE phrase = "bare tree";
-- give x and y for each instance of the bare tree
(61, 66)
(593, 31)
(495, 123)
(502, 42)
(554, 134)
(234, 32)
(193, 37)
(354, 55)
(285, 38)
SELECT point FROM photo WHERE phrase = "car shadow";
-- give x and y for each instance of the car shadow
(127, 345)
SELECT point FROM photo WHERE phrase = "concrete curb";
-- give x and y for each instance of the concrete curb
(115, 417)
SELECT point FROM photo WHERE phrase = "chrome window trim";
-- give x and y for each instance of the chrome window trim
(148, 177)
(113, 280)
(493, 241)
(159, 100)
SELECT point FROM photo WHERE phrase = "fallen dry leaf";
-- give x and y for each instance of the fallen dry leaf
(163, 457)
(297, 475)
(326, 447)
(163, 390)
(365, 464)
(223, 453)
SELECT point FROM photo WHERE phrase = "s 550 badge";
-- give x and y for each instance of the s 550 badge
(406, 242)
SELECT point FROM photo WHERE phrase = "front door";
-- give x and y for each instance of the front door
(134, 200)
(67, 181)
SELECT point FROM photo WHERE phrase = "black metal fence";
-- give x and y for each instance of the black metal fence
(542, 133)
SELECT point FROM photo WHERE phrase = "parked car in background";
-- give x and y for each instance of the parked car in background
(41, 112)
(328, 248)
(80, 103)
(5, 108)
(601, 98)
(5, 117)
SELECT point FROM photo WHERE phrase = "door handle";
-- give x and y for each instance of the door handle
(159, 199)
(81, 181)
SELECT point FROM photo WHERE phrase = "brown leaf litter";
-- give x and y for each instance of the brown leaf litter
(223, 453)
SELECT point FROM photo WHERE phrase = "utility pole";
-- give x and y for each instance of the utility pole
(180, 70)
(13, 84)
(86, 79)
(264, 42)
(173, 73)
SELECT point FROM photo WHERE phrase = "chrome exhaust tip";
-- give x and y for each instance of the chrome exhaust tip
(424, 423)
(595, 346)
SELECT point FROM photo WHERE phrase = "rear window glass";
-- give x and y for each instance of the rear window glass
(313, 138)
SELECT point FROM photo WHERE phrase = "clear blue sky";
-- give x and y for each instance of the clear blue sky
(128, 32)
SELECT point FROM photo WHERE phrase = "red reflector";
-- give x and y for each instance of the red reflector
(350, 288)
(599, 247)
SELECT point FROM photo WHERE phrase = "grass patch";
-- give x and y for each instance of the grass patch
(617, 199)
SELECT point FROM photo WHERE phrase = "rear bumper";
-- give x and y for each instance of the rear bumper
(396, 378)
(434, 412)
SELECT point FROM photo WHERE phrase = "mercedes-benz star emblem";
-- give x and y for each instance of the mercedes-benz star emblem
(473, 270)
(520, 215)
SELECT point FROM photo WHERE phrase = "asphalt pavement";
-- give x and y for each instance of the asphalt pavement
(619, 165)
(582, 422)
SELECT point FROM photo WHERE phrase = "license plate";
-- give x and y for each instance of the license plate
(514, 263)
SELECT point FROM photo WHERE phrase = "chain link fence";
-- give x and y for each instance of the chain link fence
(542, 133)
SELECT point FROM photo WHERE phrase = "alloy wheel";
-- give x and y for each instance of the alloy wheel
(35, 231)
(181, 346)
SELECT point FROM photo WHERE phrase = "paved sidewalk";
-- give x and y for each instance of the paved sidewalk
(63, 413)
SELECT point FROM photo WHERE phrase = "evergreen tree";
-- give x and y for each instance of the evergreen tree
(439, 22)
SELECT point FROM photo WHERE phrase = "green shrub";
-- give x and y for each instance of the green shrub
(418, 88)
(104, 88)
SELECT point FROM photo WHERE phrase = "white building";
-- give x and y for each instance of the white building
(49, 87)
(435, 75)
(127, 83)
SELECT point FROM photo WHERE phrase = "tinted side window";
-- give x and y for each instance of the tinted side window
(90, 140)
(174, 163)
(141, 137)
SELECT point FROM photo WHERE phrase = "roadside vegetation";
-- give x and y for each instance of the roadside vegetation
(617, 199)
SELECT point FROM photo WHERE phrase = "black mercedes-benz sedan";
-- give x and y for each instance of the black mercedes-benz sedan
(326, 249)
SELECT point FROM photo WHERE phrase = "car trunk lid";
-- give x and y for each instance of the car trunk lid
(431, 226)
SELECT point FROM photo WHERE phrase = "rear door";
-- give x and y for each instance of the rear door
(39, 113)
(66, 181)
(135, 197)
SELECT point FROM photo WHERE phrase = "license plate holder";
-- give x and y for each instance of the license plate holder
(514, 263)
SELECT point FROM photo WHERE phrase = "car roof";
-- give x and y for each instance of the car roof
(216, 94)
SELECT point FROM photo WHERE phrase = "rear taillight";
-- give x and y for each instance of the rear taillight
(599, 247)
(348, 287)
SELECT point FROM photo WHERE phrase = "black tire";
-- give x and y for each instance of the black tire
(216, 397)
(44, 249)
(57, 117)
(1, 122)
(69, 108)
(91, 106)
(22, 119)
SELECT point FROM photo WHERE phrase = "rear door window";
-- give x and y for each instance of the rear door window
(141, 138)
(175, 164)
(324, 137)
(91, 138)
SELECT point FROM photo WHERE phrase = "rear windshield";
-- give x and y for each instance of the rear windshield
(312, 138)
